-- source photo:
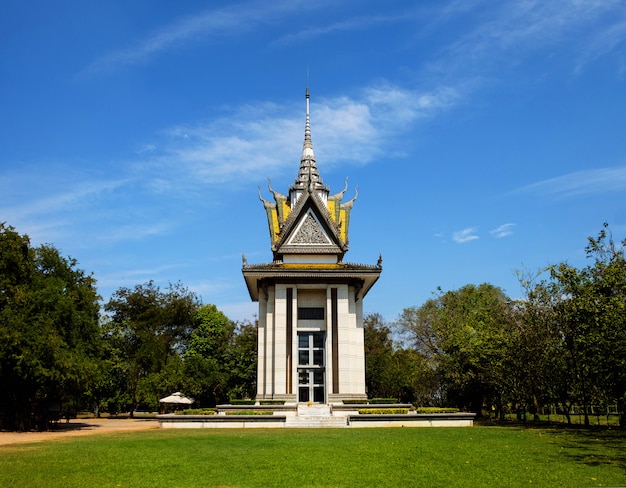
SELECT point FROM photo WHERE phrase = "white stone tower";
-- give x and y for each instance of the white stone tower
(310, 336)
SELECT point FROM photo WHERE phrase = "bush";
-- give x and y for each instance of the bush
(381, 401)
(436, 410)
(383, 411)
(242, 402)
(197, 411)
(355, 402)
(272, 402)
(249, 412)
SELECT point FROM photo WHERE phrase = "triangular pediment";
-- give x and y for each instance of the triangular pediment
(309, 230)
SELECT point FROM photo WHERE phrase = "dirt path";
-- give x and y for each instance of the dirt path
(76, 428)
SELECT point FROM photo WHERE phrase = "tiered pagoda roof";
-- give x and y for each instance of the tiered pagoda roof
(309, 230)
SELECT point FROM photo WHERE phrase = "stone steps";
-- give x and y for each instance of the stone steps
(316, 421)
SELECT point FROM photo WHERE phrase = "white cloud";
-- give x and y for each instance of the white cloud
(503, 231)
(351, 24)
(268, 138)
(511, 30)
(580, 183)
(222, 22)
(466, 235)
(609, 39)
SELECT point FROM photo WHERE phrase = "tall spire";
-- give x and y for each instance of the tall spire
(307, 148)
(308, 175)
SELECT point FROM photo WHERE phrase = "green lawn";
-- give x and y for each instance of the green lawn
(403, 457)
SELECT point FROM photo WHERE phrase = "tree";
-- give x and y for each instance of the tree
(588, 306)
(535, 373)
(462, 334)
(147, 328)
(392, 371)
(380, 377)
(206, 359)
(49, 336)
(243, 361)
(220, 362)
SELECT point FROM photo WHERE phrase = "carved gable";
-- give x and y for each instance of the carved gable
(309, 232)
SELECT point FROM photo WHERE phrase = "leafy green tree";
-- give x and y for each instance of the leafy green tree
(147, 328)
(380, 375)
(206, 358)
(463, 334)
(390, 370)
(243, 361)
(535, 373)
(49, 335)
(220, 362)
(588, 306)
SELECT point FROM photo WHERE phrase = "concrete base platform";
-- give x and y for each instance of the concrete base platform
(315, 416)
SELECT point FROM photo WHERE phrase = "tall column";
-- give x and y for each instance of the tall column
(280, 341)
(261, 347)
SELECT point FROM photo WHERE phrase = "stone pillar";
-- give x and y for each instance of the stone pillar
(350, 354)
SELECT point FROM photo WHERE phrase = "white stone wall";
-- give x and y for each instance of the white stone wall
(272, 346)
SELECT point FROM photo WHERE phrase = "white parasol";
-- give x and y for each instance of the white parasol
(177, 398)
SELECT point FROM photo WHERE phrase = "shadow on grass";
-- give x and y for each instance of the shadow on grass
(594, 445)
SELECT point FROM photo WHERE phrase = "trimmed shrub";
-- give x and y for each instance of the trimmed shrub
(381, 401)
(383, 411)
(242, 402)
(197, 411)
(436, 410)
(248, 412)
(355, 402)
(272, 402)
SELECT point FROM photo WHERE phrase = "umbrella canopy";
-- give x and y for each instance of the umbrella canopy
(177, 398)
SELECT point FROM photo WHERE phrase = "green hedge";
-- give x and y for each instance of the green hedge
(272, 402)
(355, 402)
(383, 411)
(248, 412)
(380, 401)
(197, 411)
(436, 410)
(242, 402)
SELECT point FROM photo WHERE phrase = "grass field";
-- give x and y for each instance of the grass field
(430, 457)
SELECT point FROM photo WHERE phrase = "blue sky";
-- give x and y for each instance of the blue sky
(484, 136)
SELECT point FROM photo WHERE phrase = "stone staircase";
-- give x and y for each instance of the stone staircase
(316, 422)
(315, 416)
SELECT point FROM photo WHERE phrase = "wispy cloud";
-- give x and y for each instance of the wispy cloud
(136, 232)
(512, 30)
(609, 39)
(41, 202)
(267, 137)
(503, 231)
(580, 183)
(350, 24)
(466, 235)
(219, 23)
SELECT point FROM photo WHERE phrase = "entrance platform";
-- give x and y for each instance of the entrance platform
(313, 416)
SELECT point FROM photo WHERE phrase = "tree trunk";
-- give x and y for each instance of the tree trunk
(536, 409)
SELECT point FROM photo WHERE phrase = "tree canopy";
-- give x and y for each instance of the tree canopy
(49, 336)
(563, 343)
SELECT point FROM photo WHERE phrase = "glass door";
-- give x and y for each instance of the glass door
(311, 371)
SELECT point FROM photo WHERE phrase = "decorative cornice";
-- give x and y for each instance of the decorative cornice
(258, 276)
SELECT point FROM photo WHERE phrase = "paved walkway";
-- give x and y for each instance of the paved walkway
(78, 427)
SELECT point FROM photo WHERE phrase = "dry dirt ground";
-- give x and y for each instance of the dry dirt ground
(78, 427)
